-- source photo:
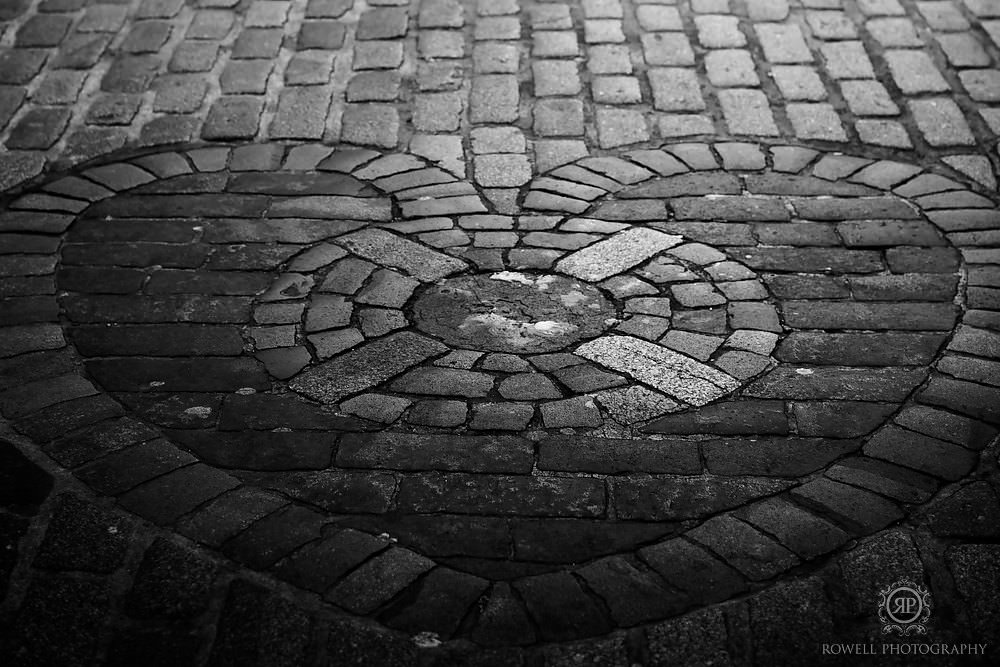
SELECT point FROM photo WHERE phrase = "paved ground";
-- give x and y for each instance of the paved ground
(508, 334)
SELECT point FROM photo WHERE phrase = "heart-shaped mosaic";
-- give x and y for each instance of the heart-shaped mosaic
(513, 388)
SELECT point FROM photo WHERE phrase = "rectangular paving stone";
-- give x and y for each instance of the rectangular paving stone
(941, 121)
(747, 112)
(831, 25)
(717, 31)
(948, 426)
(608, 59)
(838, 383)
(28, 398)
(128, 467)
(666, 48)
(366, 366)
(555, 77)
(731, 67)
(379, 580)
(386, 248)
(847, 60)
(558, 117)
(665, 370)
(914, 72)
(896, 482)
(906, 287)
(320, 564)
(799, 82)
(38, 129)
(554, 44)
(773, 457)
(328, 8)
(437, 112)
(783, 43)
(209, 24)
(333, 207)
(868, 98)
(410, 451)
(733, 540)
(969, 398)
(963, 50)
(258, 43)
(370, 125)
(845, 315)
(675, 89)
(68, 416)
(921, 452)
(494, 99)
(816, 121)
(194, 374)
(859, 349)
(274, 536)
(812, 260)
(165, 499)
(633, 596)
(612, 456)
(502, 495)
(862, 511)
(382, 23)
(866, 208)
(672, 498)
(233, 117)
(301, 113)
(616, 254)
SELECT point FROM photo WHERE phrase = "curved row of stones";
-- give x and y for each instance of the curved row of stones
(869, 485)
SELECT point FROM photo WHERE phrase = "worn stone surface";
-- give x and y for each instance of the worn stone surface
(662, 369)
(547, 314)
(367, 366)
(245, 317)
(616, 254)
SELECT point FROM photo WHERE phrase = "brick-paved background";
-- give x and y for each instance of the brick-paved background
(80, 78)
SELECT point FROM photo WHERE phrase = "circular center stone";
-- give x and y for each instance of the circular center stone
(513, 312)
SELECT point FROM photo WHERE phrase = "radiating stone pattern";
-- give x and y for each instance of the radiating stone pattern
(349, 310)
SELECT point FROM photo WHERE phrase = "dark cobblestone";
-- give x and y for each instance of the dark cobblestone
(60, 621)
(167, 498)
(258, 627)
(171, 582)
(83, 537)
(615, 456)
(560, 607)
(801, 605)
(860, 511)
(274, 536)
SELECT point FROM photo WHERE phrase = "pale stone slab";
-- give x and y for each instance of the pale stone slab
(366, 366)
(630, 405)
(665, 370)
(388, 249)
(616, 254)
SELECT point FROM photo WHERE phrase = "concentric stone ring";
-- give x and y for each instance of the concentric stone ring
(771, 330)
(634, 317)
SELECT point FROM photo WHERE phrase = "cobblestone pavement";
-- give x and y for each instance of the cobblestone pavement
(500, 334)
